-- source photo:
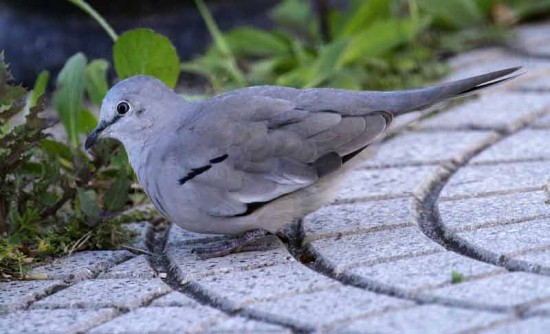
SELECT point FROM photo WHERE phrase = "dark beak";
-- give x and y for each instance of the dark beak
(92, 137)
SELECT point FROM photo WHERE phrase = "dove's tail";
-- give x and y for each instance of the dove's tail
(412, 100)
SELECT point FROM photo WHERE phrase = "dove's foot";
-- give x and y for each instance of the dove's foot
(253, 240)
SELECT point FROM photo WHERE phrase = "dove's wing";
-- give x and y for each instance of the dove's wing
(238, 151)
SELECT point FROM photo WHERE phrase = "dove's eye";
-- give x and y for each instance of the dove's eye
(122, 107)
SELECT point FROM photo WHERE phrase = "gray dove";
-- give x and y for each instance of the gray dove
(252, 161)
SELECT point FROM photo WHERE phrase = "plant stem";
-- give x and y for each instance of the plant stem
(96, 16)
(220, 42)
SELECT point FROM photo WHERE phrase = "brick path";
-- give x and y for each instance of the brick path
(446, 230)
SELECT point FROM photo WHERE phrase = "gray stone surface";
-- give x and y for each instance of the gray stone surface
(540, 309)
(179, 237)
(538, 261)
(138, 267)
(509, 240)
(540, 84)
(335, 220)
(350, 251)
(388, 183)
(410, 275)
(81, 265)
(535, 325)
(503, 110)
(543, 122)
(444, 147)
(533, 38)
(191, 267)
(528, 144)
(175, 299)
(471, 213)
(318, 310)
(163, 320)
(500, 292)
(238, 289)
(54, 321)
(423, 319)
(240, 325)
(473, 181)
(19, 294)
(118, 293)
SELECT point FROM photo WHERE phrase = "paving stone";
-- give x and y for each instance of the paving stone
(82, 265)
(444, 147)
(138, 267)
(533, 38)
(238, 289)
(410, 275)
(525, 145)
(119, 293)
(191, 267)
(371, 248)
(54, 321)
(175, 298)
(19, 294)
(493, 242)
(179, 236)
(474, 181)
(318, 310)
(541, 309)
(471, 213)
(501, 292)
(243, 325)
(335, 220)
(163, 320)
(543, 122)
(540, 84)
(538, 261)
(503, 110)
(423, 319)
(389, 183)
(535, 325)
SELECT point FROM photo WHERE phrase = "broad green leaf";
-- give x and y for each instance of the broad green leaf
(380, 38)
(69, 95)
(39, 87)
(117, 195)
(361, 16)
(328, 62)
(87, 122)
(292, 13)
(96, 80)
(56, 148)
(255, 42)
(89, 204)
(143, 51)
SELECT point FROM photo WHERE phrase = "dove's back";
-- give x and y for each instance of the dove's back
(261, 157)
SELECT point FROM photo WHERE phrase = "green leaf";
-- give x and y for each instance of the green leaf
(327, 63)
(362, 15)
(380, 38)
(117, 195)
(255, 42)
(69, 95)
(96, 80)
(293, 13)
(39, 87)
(89, 204)
(143, 51)
(453, 14)
(87, 122)
(56, 148)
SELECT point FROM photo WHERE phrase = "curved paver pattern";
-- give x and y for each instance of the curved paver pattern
(446, 230)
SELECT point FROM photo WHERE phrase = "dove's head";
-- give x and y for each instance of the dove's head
(132, 108)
